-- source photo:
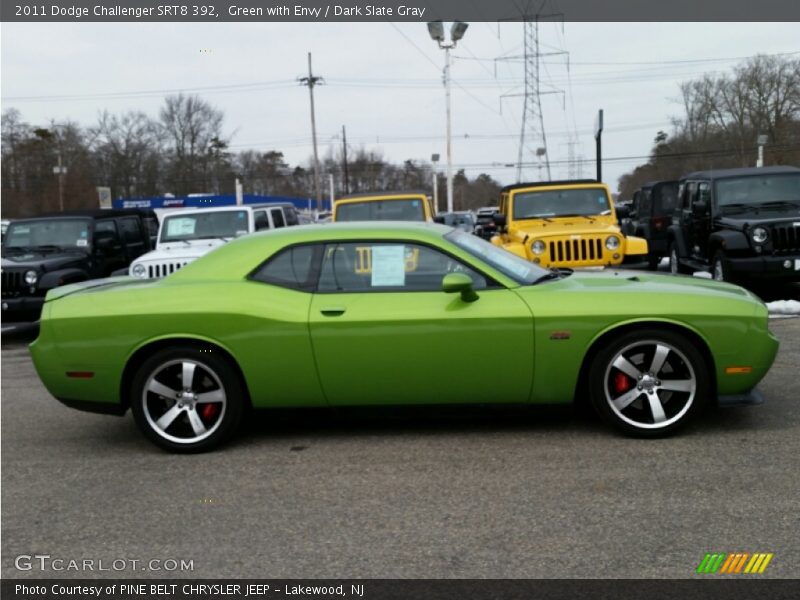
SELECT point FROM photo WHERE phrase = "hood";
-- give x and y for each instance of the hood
(180, 251)
(750, 218)
(96, 285)
(560, 226)
(46, 261)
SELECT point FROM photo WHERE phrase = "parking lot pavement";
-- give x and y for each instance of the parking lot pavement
(488, 496)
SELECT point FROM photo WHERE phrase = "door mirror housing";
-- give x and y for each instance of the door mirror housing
(500, 220)
(459, 283)
(700, 208)
(439, 219)
(104, 243)
(624, 212)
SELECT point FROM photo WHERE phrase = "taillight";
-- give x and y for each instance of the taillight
(659, 223)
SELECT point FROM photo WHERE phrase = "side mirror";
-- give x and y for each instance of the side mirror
(439, 219)
(700, 207)
(461, 283)
(103, 243)
(500, 220)
(623, 212)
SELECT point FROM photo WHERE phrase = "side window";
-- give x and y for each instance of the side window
(277, 217)
(704, 193)
(388, 266)
(689, 194)
(645, 202)
(291, 216)
(291, 268)
(131, 233)
(261, 221)
(106, 229)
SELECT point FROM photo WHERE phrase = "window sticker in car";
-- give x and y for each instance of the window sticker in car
(81, 242)
(388, 266)
(180, 226)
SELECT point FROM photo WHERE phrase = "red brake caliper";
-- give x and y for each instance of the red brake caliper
(209, 411)
(622, 383)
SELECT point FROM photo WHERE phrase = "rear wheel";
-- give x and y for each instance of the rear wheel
(648, 383)
(187, 399)
(675, 266)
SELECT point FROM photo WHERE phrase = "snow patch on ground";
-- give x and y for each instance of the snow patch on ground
(784, 307)
(702, 274)
(664, 262)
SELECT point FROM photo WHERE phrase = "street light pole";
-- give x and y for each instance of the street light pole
(436, 31)
(311, 81)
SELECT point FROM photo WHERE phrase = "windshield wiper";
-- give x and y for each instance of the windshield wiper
(214, 237)
(777, 203)
(552, 274)
(576, 215)
(740, 206)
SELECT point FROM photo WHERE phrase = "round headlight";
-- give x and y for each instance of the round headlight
(31, 277)
(760, 235)
(612, 242)
(138, 270)
(538, 247)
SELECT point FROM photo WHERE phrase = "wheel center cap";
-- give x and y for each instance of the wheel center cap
(648, 383)
(188, 398)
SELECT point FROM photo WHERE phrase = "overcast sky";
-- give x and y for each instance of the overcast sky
(383, 81)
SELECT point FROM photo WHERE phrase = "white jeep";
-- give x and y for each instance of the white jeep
(187, 234)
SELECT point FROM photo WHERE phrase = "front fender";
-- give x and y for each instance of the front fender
(515, 248)
(635, 245)
(61, 277)
(730, 240)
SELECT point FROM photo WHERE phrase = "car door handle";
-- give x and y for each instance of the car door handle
(332, 311)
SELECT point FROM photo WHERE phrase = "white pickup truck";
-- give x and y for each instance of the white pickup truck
(185, 235)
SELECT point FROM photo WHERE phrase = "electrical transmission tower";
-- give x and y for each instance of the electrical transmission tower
(532, 137)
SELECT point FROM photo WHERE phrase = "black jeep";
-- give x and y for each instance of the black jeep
(45, 252)
(741, 224)
(651, 215)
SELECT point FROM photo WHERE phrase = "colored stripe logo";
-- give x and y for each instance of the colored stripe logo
(735, 563)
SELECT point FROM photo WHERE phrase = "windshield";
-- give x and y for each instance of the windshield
(206, 225)
(456, 219)
(47, 232)
(758, 189)
(405, 209)
(561, 203)
(509, 264)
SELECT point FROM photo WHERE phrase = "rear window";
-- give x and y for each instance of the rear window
(406, 209)
(291, 268)
(666, 200)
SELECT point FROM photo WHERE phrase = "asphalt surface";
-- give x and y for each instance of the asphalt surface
(545, 495)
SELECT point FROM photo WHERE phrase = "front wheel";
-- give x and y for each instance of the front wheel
(648, 383)
(187, 399)
(675, 266)
(718, 270)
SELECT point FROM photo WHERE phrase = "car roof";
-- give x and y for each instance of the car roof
(389, 193)
(530, 184)
(741, 172)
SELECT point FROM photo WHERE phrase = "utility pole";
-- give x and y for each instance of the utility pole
(598, 136)
(60, 170)
(310, 82)
(344, 150)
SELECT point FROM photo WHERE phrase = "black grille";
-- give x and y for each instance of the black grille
(583, 250)
(164, 269)
(13, 282)
(786, 238)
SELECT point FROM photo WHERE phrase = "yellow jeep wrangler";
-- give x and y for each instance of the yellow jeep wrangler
(564, 224)
(384, 206)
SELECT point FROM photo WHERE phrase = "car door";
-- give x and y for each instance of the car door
(701, 221)
(112, 256)
(134, 237)
(384, 332)
(684, 215)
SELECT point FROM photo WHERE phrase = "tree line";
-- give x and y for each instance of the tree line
(185, 150)
(723, 115)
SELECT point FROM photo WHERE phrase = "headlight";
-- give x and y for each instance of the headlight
(538, 247)
(138, 270)
(31, 277)
(612, 242)
(760, 235)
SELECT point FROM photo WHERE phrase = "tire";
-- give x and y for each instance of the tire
(193, 420)
(718, 270)
(640, 399)
(675, 266)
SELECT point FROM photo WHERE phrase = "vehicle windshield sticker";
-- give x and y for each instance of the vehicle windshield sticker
(415, 203)
(82, 242)
(180, 226)
(388, 266)
(84, 233)
(601, 199)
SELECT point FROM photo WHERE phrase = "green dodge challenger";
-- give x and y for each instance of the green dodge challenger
(395, 314)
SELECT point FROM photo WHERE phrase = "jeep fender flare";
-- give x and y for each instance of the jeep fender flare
(51, 280)
(515, 248)
(729, 240)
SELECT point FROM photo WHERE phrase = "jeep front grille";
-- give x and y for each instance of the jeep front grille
(584, 250)
(164, 269)
(13, 282)
(786, 238)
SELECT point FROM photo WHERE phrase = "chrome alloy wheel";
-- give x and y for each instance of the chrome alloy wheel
(673, 261)
(650, 384)
(718, 272)
(184, 401)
